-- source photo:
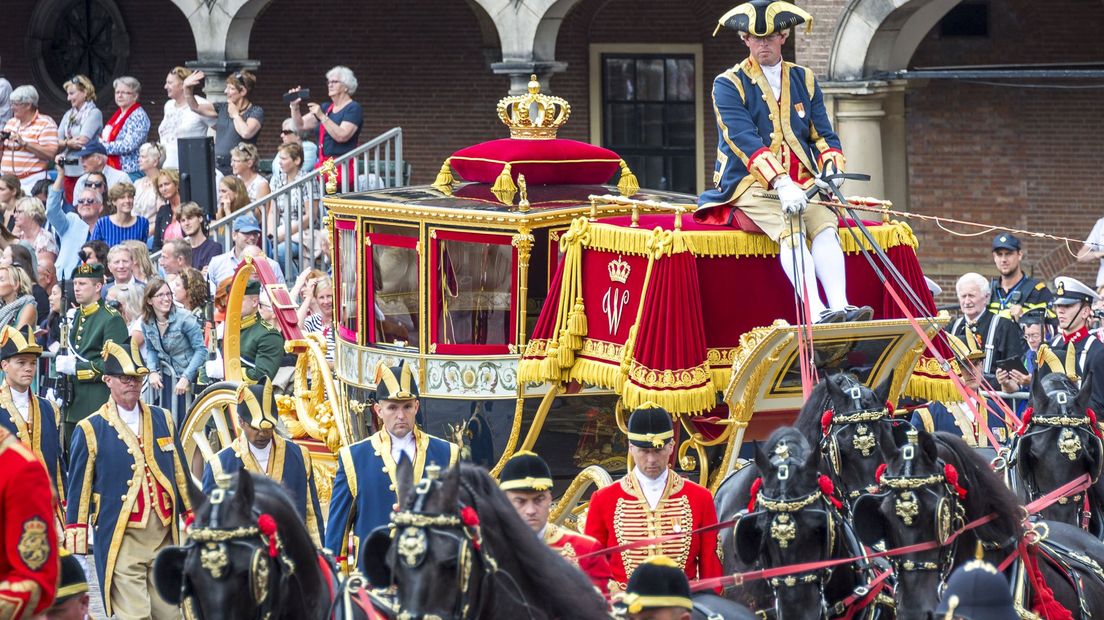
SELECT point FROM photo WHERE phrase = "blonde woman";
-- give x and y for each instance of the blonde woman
(232, 196)
(18, 307)
(30, 217)
(140, 257)
(81, 124)
(151, 159)
(244, 160)
(166, 225)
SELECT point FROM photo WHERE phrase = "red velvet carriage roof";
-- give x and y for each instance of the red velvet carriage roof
(656, 313)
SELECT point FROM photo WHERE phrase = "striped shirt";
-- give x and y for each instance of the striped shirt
(42, 132)
(112, 234)
(316, 324)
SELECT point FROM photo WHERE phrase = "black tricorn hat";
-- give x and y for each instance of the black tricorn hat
(257, 405)
(395, 383)
(117, 361)
(657, 583)
(650, 426)
(761, 18)
(71, 578)
(976, 590)
(14, 342)
(525, 471)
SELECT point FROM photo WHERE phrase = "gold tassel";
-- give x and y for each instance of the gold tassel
(504, 182)
(550, 366)
(444, 177)
(576, 321)
(566, 356)
(627, 184)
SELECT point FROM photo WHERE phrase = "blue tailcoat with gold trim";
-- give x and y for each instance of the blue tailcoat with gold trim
(289, 464)
(364, 486)
(102, 495)
(42, 435)
(955, 419)
(756, 133)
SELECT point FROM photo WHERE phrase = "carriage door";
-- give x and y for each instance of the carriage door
(394, 304)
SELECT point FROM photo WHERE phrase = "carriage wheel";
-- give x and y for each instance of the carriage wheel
(213, 417)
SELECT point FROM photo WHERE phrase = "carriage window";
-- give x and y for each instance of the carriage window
(473, 297)
(348, 307)
(648, 116)
(394, 276)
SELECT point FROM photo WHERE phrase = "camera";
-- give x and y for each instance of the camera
(70, 161)
(5, 135)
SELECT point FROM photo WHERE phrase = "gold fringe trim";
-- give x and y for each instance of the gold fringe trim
(504, 182)
(627, 184)
(677, 402)
(597, 373)
(444, 177)
(932, 388)
(721, 378)
(638, 241)
(529, 370)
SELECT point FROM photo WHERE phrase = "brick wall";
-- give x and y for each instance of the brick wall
(1014, 156)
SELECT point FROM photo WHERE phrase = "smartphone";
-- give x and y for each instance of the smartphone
(303, 94)
(1013, 363)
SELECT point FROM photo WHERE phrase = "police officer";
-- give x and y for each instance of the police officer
(132, 516)
(653, 500)
(976, 591)
(33, 419)
(28, 562)
(1013, 293)
(259, 449)
(774, 133)
(261, 345)
(364, 488)
(91, 324)
(527, 481)
(658, 590)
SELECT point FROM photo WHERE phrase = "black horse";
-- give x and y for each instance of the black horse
(457, 549)
(848, 421)
(794, 519)
(932, 485)
(249, 555)
(1059, 442)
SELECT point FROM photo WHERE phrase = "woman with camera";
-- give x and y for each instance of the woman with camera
(237, 120)
(339, 124)
(81, 123)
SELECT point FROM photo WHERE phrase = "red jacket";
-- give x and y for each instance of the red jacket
(620, 514)
(29, 561)
(570, 545)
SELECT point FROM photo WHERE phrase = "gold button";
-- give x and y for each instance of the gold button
(130, 482)
(133, 468)
(123, 497)
(391, 487)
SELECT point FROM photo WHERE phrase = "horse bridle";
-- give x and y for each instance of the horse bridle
(266, 558)
(864, 442)
(411, 528)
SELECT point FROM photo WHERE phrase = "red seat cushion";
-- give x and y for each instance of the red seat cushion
(543, 162)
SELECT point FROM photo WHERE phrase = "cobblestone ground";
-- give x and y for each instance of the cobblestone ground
(96, 607)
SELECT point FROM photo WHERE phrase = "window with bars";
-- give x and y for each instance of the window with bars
(648, 117)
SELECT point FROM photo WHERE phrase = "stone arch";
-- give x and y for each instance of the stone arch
(876, 36)
(487, 29)
(222, 28)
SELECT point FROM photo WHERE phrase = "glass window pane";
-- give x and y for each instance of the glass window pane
(652, 131)
(680, 125)
(619, 79)
(395, 284)
(474, 293)
(680, 79)
(348, 303)
(649, 79)
(622, 126)
(655, 173)
(683, 174)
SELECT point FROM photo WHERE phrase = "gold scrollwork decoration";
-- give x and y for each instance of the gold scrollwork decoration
(783, 530)
(906, 507)
(213, 559)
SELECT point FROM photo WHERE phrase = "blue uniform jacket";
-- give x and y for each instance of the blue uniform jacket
(289, 464)
(102, 496)
(756, 132)
(43, 437)
(937, 417)
(364, 486)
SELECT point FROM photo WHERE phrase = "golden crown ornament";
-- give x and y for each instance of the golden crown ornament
(533, 116)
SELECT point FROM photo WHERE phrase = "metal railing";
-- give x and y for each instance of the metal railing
(297, 245)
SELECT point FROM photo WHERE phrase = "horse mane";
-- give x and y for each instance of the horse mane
(270, 497)
(985, 492)
(808, 419)
(554, 586)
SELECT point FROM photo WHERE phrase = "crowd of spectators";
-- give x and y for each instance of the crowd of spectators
(105, 187)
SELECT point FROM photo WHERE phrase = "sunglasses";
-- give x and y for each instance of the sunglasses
(94, 184)
(286, 132)
(86, 201)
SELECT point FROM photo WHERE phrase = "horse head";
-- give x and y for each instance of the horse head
(854, 424)
(792, 520)
(431, 551)
(235, 563)
(919, 502)
(1058, 441)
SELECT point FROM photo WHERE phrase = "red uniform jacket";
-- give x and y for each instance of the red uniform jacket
(570, 545)
(29, 560)
(620, 514)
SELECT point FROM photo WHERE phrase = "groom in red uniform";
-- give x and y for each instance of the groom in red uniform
(651, 501)
(527, 481)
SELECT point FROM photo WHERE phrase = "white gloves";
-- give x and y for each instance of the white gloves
(828, 170)
(66, 364)
(790, 195)
(214, 369)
